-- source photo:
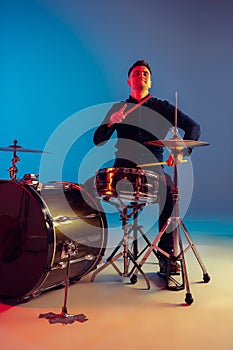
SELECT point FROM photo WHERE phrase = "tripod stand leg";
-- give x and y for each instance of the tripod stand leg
(148, 244)
(135, 235)
(109, 262)
(206, 277)
(115, 250)
(171, 282)
(129, 256)
(136, 228)
(188, 297)
(151, 248)
(133, 279)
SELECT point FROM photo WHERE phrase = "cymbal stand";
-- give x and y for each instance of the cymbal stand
(177, 224)
(13, 170)
(69, 248)
(128, 256)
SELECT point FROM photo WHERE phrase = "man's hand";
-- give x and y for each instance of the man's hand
(179, 159)
(118, 116)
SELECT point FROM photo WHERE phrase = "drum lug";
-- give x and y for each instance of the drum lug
(36, 293)
(47, 269)
(29, 297)
(58, 266)
(49, 221)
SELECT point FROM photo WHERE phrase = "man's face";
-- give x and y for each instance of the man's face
(140, 78)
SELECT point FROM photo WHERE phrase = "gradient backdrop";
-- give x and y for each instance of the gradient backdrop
(62, 57)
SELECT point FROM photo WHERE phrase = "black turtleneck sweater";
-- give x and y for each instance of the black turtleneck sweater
(149, 122)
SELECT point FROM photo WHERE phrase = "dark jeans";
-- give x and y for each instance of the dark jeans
(165, 211)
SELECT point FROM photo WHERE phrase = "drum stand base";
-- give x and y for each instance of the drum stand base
(127, 255)
(172, 283)
(64, 317)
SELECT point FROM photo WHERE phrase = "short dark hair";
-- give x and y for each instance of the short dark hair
(139, 63)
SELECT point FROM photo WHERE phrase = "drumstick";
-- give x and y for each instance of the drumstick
(133, 108)
(176, 104)
(159, 163)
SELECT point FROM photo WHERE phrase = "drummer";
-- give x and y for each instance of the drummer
(150, 120)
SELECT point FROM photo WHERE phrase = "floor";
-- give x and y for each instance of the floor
(112, 313)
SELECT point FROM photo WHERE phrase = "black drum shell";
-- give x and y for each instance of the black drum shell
(33, 228)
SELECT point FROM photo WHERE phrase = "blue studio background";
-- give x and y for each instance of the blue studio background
(61, 57)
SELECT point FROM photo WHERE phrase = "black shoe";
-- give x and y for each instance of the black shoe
(162, 268)
(174, 269)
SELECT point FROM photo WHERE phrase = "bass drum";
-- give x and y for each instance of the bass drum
(35, 226)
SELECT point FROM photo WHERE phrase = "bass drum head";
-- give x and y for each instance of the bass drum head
(33, 228)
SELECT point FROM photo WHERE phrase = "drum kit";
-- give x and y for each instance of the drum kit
(45, 242)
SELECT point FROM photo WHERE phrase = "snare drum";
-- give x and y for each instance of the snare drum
(34, 227)
(127, 184)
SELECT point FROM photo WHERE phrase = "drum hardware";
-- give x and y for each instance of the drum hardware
(69, 249)
(36, 294)
(138, 228)
(127, 255)
(176, 144)
(13, 170)
(128, 189)
(66, 185)
(31, 180)
(68, 219)
(63, 264)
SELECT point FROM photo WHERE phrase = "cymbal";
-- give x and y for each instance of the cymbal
(177, 143)
(16, 148)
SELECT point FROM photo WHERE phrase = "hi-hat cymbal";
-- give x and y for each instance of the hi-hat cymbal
(177, 143)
